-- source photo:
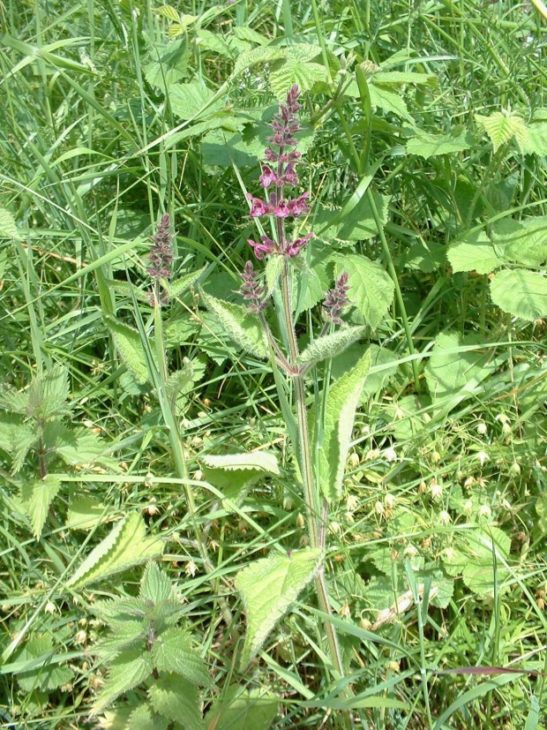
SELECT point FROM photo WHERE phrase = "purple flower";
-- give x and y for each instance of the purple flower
(251, 290)
(294, 247)
(336, 300)
(299, 206)
(268, 177)
(161, 254)
(264, 248)
(258, 207)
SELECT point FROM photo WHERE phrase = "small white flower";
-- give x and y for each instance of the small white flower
(482, 428)
(514, 469)
(435, 489)
(444, 518)
(482, 456)
(411, 551)
(485, 511)
(190, 568)
(389, 501)
(468, 506)
(379, 508)
(390, 454)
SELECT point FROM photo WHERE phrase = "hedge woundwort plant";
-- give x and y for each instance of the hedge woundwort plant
(278, 179)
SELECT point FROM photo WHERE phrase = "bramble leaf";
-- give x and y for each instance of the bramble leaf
(521, 293)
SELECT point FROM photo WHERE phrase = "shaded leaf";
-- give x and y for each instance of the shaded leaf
(429, 145)
(173, 652)
(177, 700)
(371, 289)
(238, 324)
(521, 293)
(129, 347)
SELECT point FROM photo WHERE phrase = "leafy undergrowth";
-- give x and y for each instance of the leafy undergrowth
(158, 565)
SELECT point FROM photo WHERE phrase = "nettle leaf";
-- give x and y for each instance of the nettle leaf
(240, 708)
(37, 498)
(502, 127)
(521, 293)
(44, 675)
(126, 671)
(82, 448)
(126, 545)
(236, 321)
(8, 228)
(267, 588)
(85, 512)
(429, 145)
(141, 718)
(192, 100)
(231, 473)
(17, 437)
(332, 446)
(177, 700)
(182, 284)
(474, 252)
(371, 289)
(129, 347)
(173, 651)
(330, 345)
(155, 584)
(535, 142)
(48, 395)
(313, 279)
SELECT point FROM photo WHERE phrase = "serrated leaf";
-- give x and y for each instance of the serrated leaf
(8, 228)
(37, 498)
(17, 437)
(524, 241)
(480, 557)
(502, 127)
(239, 325)
(44, 675)
(273, 269)
(258, 461)
(216, 43)
(245, 33)
(169, 12)
(192, 100)
(474, 252)
(454, 373)
(142, 718)
(173, 652)
(293, 71)
(155, 584)
(313, 279)
(521, 293)
(126, 671)
(127, 544)
(179, 286)
(267, 588)
(241, 709)
(85, 512)
(428, 145)
(332, 446)
(389, 101)
(48, 395)
(328, 346)
(177, 700)
(129, 347)
(371, 289)
(535, 142)
(263, 54)
(179, 28)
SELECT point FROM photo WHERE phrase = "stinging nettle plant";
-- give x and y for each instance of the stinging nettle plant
(321, 433)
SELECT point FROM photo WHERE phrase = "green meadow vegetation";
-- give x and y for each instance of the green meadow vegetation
(272, 368)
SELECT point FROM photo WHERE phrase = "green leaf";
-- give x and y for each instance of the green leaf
(169, 12)
(85, 512)
(263, 54)
(142, 718)
(268, 587)
(8, 229)
(333, 444)
(155, 584)
(127, 544)
(521, 293)
(177, 700)
(535, 142)
(403, 77)
(294, 71)
(480, 556)
(389, 101)
(126, 671)
(273, 269)
(426, 256)
(240, 709)
(502, 127)
(182, 284)
(48, 395)
(17, 437)
(474, 252)
(172, 651)
(193, 100)
(262, 462)
(129, 347)
(429, 145)
(37, 498)
(453, 373)
(371, 289)
(82, 448)
(330, 345)
(356, 224)
(313, 279)
(238, 324)
(524, 241)
(45, 674)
